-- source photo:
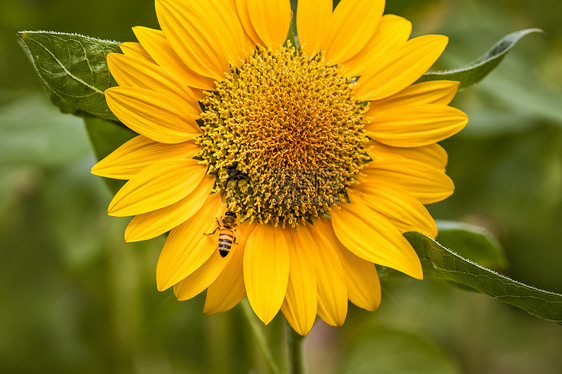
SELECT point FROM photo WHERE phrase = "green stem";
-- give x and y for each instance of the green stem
(296, 360)
(260, 337)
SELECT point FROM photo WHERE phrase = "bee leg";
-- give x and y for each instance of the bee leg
(215, 230)
(211, 233)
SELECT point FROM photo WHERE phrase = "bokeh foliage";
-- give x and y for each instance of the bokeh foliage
(75, 298)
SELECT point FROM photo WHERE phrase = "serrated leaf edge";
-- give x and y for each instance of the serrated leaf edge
(482, 60)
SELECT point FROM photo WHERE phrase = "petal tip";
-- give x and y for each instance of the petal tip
(162, 282)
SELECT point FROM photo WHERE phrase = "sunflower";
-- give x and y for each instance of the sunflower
(317, 140)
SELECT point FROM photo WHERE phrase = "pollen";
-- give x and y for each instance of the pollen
(284, 136)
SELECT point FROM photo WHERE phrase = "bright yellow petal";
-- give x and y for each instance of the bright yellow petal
(434, 92)
(415, 126)
(401, 208)
(350, 28)
(157, 186)
(228, 289)
(266, 270)
(223, 29)
(332, 289)
(152, 224)
(363, 285)
(400, 69)
(301, 301)
(249, 43)
(137, 154)
(391, 35)
(151, 114)
(201, 278)
(135, 72)
(240, 42)
(189, 31)
(427, 184)
(433, 155)
(187, 247)
(312, 20)
(373, 238)
(271, 19)
(133, 49)
(242, 10)
(163, 53)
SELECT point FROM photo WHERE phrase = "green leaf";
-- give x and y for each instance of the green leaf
(472, 242)
(441, 263)
(74, 69)
(480, 68)
(107, 136)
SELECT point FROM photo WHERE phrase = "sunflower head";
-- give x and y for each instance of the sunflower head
(291, 130)
(326, 151)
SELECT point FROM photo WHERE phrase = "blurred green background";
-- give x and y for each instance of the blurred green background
(74, 298)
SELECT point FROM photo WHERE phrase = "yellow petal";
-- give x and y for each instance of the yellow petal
(138, 153)
(401, 208)
(271, 19)
(266, 270)
(312, 20)
(133, 49)
(391, 35)
(301, 301)
(157, 186)
(362, 280)
(152, 224)
(424, 182)
(373, 238)
(433, 155)
(249, 43)
(350, 28)
(237, 39)
(135, 72)
(201, 278)
(415, 126)
(187, 247)
(332, 289)
(434, 92)
(242, 10)
(151, 114)
(228, 289)
(156, 44)
(400, 69)
(188, 31)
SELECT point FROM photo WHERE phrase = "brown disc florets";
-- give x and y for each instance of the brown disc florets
(284, 135)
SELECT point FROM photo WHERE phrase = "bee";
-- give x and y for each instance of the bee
(227, 232)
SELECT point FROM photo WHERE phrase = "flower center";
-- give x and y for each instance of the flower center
(284, 135)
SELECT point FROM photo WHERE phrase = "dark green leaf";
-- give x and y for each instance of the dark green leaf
(480, 68)
(441, 263)
(74, 69)
(106, 136)
(472, 242)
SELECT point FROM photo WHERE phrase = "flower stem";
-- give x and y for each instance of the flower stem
(260, 337)
(296, 360)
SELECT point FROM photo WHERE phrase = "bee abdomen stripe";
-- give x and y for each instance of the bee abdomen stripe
(225, 243)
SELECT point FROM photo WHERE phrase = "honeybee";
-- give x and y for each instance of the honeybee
(227, 232)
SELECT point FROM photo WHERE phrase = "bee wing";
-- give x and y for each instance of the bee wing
(219, 213)
(222, 195)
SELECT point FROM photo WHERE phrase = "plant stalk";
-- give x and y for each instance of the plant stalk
(296, 358)
(260, 337)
